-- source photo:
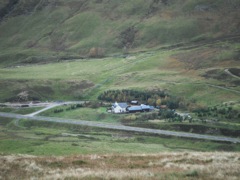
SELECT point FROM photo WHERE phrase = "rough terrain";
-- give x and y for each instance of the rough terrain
(189, 165)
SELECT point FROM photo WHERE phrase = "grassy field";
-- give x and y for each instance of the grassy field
(90, 114)
(87, 78)
(57, 150)
(42, 138)
(23, 111)
(46, 49)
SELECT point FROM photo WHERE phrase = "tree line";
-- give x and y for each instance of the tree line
(223, 112)
(153, 98)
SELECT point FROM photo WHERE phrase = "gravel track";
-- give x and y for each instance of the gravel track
(121, 127)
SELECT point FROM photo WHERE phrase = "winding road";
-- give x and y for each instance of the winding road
(121, 127)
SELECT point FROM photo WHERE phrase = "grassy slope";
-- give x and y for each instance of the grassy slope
(41, 32)
(38, 32)
(158, 69)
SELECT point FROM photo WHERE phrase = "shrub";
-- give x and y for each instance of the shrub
(193, 173)
(94, 104)
(166, 114)
(131, 117)
(96, 52)
(58, 41)
(101, 116)
(58, 110)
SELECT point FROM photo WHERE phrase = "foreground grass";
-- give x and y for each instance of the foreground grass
(187, 165)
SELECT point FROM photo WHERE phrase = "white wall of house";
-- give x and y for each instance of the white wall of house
(117, 109)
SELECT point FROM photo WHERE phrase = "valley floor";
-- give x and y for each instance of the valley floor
(121, 127)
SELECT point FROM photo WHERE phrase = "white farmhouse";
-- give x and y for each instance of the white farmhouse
(119, 107)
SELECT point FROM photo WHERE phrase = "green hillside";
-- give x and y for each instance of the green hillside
(78, 49)
(49, 30)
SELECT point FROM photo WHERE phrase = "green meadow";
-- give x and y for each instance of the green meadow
(87, 78)
(42, 138)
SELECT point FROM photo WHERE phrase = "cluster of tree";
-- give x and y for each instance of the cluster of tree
(154, 98)
(225, 112)
(127, 95)
(165, 114)
(95, 104)
(58, 110)
(171, 116)
(72, 107)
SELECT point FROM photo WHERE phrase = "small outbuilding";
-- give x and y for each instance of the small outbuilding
(134, 102)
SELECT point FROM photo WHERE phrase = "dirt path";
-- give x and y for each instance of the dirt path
(53, 106)
(46, 106)
(231, 74)
(224, 88)
(44, 109)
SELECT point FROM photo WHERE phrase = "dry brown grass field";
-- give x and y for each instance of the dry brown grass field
(184, 165)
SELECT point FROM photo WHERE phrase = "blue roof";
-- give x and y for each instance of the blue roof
(145, 106)
(123, 105)
(139, 108)
(152, 107)
(135, 108)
